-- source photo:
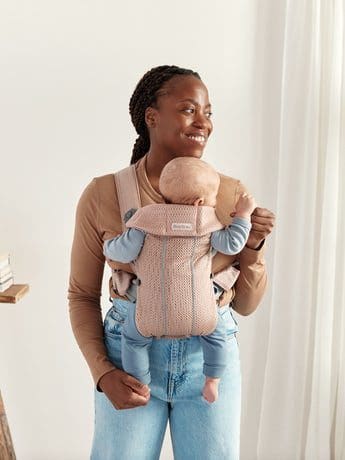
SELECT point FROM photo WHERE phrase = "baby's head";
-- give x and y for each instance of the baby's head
(189, 180)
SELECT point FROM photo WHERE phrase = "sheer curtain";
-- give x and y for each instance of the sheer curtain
(299, 405)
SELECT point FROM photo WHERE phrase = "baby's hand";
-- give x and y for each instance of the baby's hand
(245, 206)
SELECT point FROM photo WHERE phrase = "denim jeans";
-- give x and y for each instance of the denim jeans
(135, 348)
(198, 429)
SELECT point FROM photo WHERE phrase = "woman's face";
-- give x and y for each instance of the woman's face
(181, 124)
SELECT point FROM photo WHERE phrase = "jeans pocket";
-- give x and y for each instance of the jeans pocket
(113, 322)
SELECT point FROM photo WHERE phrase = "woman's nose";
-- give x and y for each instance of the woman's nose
(202, 120)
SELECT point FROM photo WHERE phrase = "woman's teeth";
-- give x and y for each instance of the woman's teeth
(196, 138)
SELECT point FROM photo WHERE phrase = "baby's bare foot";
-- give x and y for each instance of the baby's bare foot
(210, 390)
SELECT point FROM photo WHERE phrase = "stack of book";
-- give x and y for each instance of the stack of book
(6, 275)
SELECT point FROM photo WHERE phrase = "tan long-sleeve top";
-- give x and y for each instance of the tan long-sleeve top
(98, 219)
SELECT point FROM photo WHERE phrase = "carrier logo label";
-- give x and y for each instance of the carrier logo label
(181, 226)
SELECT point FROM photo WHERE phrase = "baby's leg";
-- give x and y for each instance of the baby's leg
(135, 349)
(215, 351)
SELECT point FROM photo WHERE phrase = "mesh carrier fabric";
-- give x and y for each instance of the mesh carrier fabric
(175, 296)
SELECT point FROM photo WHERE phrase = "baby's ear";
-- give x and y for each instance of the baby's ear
(129, 214)
(199, 202)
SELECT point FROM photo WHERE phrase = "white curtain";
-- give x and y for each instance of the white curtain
(300, 393)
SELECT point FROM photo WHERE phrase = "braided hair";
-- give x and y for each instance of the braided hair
(146, 93)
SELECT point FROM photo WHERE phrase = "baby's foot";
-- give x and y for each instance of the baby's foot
(210, 390)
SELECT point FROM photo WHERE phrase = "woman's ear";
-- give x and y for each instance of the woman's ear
(150, 117)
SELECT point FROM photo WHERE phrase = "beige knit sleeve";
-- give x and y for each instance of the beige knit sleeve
(252, 281)
(85, 283)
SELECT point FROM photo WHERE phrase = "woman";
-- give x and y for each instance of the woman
(171, 112)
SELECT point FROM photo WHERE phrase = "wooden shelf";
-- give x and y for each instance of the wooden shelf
(14, 293)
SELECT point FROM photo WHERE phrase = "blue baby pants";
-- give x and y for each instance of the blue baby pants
(135, 348)
(198, 429)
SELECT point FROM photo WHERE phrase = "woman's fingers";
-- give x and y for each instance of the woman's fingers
(123, 390)
(264, 213)
(133, 400)
(136, 385)
(128, 399)
(258, 222)
(136, 400)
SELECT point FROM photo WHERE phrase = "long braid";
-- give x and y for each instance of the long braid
(145, 94)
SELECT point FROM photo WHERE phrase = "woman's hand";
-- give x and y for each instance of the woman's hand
(262, 221)
(123, 390)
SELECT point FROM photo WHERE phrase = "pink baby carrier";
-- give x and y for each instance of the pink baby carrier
(175, 296)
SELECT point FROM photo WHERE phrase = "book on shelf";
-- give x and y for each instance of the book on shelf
(4, 259)
(4, 272)
(6, 275)
(6, 284)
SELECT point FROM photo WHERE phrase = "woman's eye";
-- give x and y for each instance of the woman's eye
(209, 113)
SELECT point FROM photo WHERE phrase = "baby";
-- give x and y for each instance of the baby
(171, 246)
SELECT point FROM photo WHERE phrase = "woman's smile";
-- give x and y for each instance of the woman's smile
(199, 139)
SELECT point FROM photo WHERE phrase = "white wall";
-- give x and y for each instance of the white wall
(67, 72)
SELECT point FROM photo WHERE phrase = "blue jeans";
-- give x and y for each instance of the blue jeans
(198, 429)
(135, 348)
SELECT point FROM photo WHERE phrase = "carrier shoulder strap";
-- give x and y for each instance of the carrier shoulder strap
(128, 197)
(127, 191)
